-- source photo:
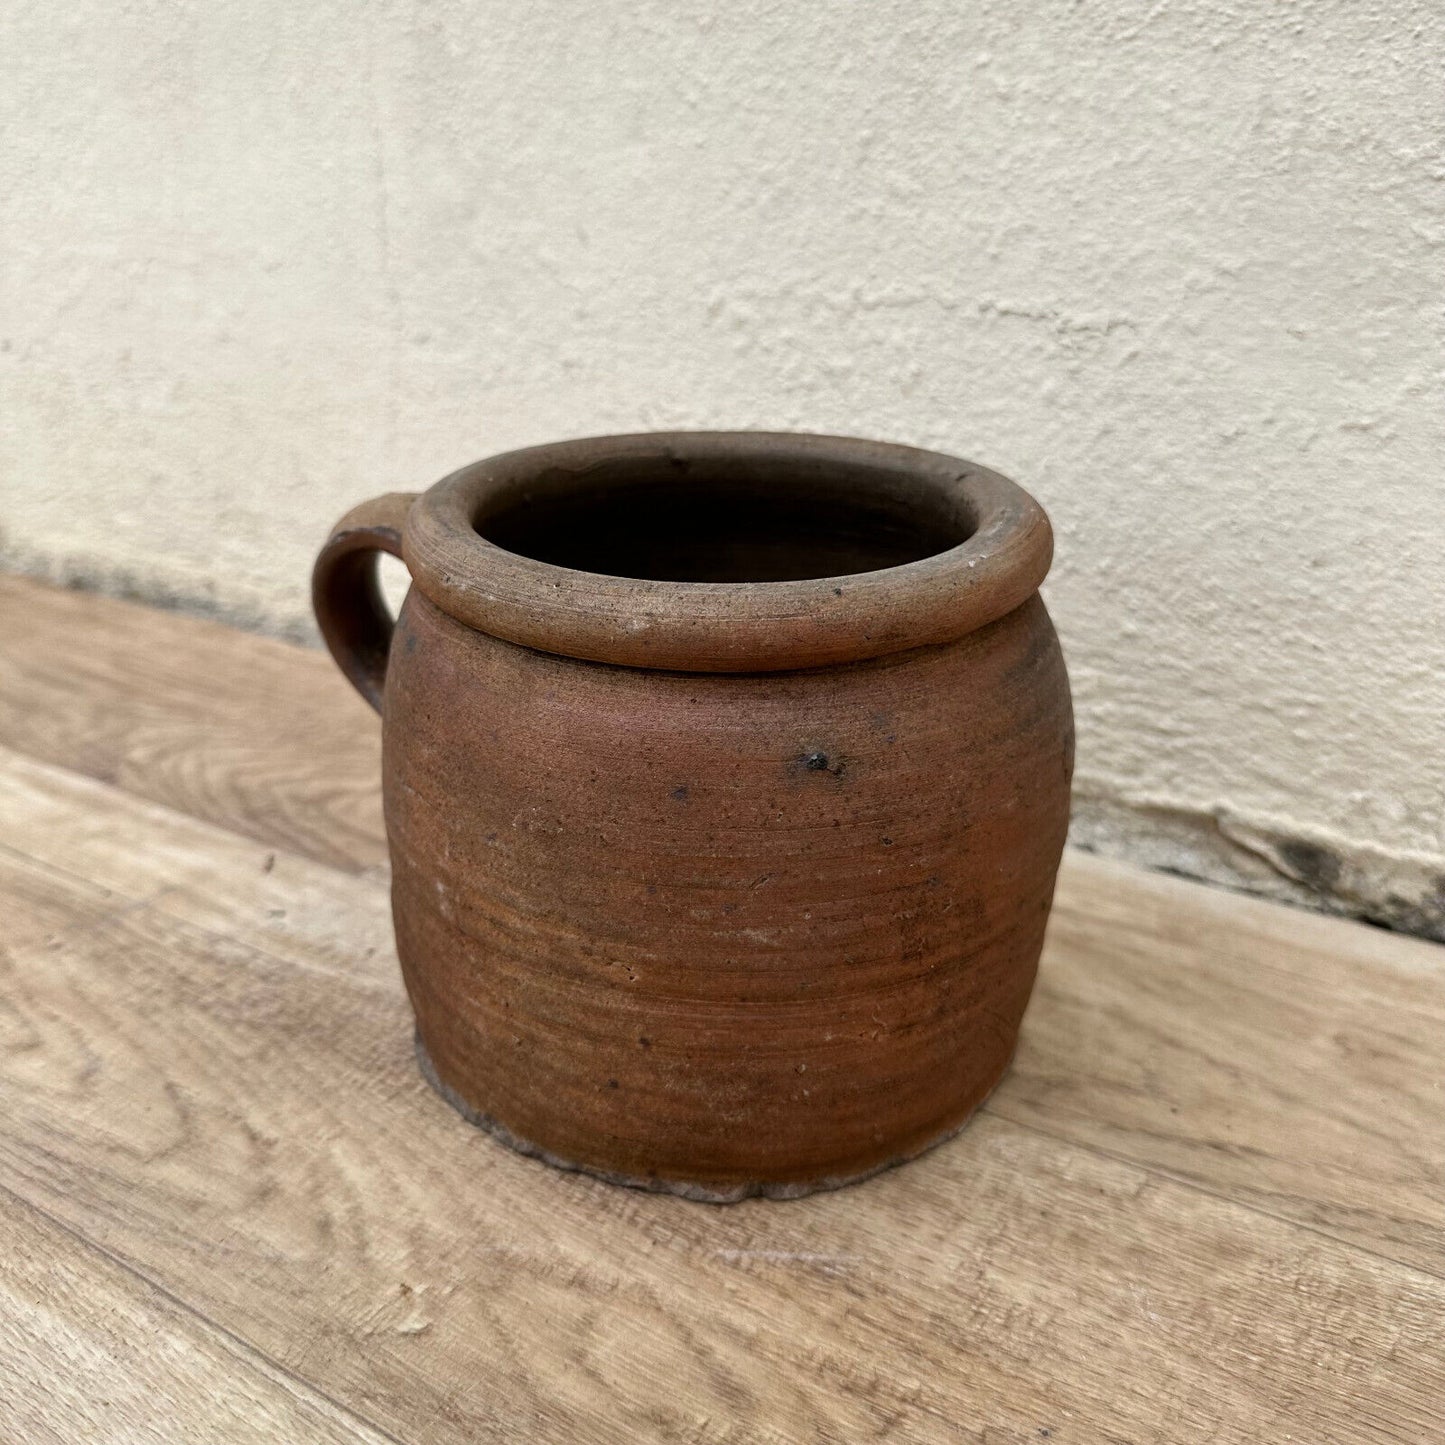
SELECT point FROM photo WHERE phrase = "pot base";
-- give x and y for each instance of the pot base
(702, 1193)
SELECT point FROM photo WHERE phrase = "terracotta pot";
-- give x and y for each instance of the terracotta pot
(726, 777)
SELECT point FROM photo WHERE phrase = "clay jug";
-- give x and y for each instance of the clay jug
(726, 777)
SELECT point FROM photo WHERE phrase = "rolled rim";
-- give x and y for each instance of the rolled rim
(727, 626)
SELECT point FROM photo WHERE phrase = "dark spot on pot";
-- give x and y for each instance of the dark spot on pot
(680, 794)
(645, 1041)
(816, 762)
(934, 882)
(886, 842)
(837, 592)
(1312, 865)
(409, 644)
(269, 863)
(652, 888)
(612, 1083)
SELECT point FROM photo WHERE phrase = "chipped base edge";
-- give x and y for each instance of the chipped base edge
(699, 1193)
(1267, 857)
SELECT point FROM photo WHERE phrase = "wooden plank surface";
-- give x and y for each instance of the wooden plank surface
(244, 731)
(253, 1136)
(93, 1353)
(1176, 1027)
(268, 741)
(1207, 1204)
(1286, 1060)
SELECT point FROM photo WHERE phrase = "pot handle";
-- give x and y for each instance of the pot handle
(346, 594)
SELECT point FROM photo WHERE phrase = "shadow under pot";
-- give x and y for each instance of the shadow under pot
(726, 778)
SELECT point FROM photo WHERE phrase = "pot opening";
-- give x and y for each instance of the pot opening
(675, 519)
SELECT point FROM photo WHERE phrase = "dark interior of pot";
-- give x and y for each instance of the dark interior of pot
(671, 519)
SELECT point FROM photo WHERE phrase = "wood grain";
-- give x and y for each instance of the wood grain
(140, 853)
(1208, 1204)
(1272, 1056)
(90, 1352)
(251, 1134)
(262, 737)
(1181, 1028)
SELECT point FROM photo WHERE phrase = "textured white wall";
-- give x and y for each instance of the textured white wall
(1174, 266)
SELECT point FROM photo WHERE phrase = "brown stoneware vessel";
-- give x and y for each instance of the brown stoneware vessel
(726, 777)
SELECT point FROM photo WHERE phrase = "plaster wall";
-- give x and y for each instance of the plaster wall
(1175, 267)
